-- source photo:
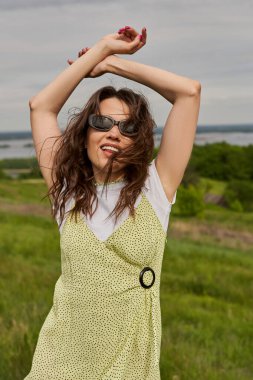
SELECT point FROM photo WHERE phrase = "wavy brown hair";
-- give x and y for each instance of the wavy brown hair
(72, 169)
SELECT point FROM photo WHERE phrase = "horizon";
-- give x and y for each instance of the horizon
(221, 125)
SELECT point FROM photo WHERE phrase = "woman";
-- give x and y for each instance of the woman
(105, 321)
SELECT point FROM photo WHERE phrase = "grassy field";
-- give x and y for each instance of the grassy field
(206, 287)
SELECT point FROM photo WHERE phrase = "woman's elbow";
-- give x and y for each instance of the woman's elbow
(32, 103)
(196, 88)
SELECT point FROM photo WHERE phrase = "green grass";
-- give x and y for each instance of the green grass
(30, 265)
(206, 293)
(229, 218)
(23, 191)
(220, 216)
(207, 309)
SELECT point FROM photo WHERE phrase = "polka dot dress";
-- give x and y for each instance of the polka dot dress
(105, 322)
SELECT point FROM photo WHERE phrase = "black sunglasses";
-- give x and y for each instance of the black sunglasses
(105, 123)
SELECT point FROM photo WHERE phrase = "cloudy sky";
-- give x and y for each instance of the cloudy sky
(208, 40)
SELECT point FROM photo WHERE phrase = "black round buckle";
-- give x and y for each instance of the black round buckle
(141, 277)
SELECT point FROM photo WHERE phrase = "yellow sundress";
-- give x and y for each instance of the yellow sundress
(105, 322)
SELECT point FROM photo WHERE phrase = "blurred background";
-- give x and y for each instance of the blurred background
(207, 277)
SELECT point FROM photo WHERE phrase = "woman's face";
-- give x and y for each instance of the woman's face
(118, 110)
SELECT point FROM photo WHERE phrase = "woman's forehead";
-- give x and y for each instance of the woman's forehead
(113, 106)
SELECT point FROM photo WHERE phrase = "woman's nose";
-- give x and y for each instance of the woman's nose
(114, 132)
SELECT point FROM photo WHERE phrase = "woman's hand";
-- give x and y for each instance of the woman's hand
(126, 41)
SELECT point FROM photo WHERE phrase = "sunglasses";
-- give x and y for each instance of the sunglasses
(105, 123)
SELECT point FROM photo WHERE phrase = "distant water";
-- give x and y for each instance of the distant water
(16, 148)
(20, 144)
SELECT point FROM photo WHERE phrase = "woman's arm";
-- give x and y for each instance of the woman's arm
(55, 94)
(179, 131)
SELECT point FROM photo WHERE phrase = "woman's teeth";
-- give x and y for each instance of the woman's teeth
(107, 147)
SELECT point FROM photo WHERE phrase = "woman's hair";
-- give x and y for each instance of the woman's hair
(72, 169)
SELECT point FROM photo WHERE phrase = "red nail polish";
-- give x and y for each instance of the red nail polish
(127, 27)
(140, 37)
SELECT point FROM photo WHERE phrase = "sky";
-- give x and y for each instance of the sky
(210, 41)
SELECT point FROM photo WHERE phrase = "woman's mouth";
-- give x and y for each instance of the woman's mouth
(108, 153)
(109, 150)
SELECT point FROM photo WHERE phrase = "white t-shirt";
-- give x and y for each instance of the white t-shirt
(103, 227)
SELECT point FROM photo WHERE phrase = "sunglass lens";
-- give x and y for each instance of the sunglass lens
(129, 129)
(101, 122)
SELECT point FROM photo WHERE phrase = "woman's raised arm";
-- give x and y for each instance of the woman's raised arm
(179, 131)
(45, 106)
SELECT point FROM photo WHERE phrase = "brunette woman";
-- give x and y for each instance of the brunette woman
(112, 203)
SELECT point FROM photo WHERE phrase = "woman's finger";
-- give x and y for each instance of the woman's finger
(144, 35)
(141, 38)
(136, 44)
(129, 32)
(124, 37)
(80, 53)
(127, 28)
(122, 30)
(83, 51)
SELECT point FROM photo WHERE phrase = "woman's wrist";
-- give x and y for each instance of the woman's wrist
(110, 63)
(103, 47)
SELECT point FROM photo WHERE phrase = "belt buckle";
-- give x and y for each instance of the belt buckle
(144, 270)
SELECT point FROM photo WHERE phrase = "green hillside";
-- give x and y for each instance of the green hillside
(206, 287)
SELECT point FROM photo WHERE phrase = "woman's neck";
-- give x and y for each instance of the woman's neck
(97, 182)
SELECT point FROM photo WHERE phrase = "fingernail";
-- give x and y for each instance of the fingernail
(127, 27)
(140, 37)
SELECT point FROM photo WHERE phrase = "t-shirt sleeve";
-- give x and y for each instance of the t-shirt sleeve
(157, 197)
